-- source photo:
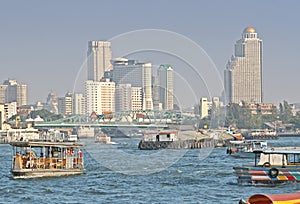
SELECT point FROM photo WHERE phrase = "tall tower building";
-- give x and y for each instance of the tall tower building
(99, 56)
(243, 73)
(166, 86)
(204, 107)
(138, 75)
(15, 92)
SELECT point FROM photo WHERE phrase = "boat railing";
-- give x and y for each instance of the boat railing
(48, 163)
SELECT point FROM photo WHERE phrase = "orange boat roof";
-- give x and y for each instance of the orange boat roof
(290, 198)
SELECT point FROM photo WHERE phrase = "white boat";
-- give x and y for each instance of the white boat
(46, 158)
(245, 148)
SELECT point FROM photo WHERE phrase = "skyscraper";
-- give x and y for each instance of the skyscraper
(243, 73)
(138, 75)
(99, 56)
(166, 86)
(14, 92)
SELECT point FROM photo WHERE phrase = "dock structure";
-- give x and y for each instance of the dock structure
(180, 144)
(185, 140)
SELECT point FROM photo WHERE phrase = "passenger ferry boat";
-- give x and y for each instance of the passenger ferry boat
(245, 148)
(271, 167)
(46, 158)
(261, 134)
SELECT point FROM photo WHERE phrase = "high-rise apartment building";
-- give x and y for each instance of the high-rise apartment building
(166, 86)
(136, 98)
(204, 107)
(79, 104)
(138, 75)
(65, 104)
(14, 92)
(3, 89)
(123, 97)
(243, 74)
(100, 96)
(99, 57)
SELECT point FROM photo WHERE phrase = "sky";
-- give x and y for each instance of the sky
(44, 43)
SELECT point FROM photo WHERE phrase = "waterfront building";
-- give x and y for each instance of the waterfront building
(137, 74)
(79, 104)
(123, 97)
(243, 73)
(2, 116)
(3, 89)
(204, 107)
(136, 98)
(166, 86)
(155, 93)
(262, 108)
(65, 104)
(10, 109)
(100, 96)
(108, 89)
(99, 57)
(14, 92)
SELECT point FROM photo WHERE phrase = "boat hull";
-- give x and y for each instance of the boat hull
(37, 173)
(267, 175)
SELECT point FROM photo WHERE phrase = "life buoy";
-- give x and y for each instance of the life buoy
(142, 145)
(148, 145)
(273, 172)
(267, 164)
(164, 145)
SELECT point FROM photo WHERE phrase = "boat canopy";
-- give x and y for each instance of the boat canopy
(291, 198)
(283, 151)
(46, 144)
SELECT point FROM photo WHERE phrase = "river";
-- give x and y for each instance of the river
(188, 178)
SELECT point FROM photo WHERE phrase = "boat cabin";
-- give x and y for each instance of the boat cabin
(45, 158)
(277, 158)
(161, 136)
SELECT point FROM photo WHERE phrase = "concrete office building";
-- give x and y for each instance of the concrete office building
(137, 74)
(99, 57)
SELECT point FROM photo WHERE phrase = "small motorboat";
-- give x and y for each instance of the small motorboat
(291, 198)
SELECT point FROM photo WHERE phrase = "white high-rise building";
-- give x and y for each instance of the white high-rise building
(136, 98)
(138, 75)
(243, 74)
(204, 107)
(100, 96)
(99, 59)
(166, 86)
(10, 109)
(79, 104)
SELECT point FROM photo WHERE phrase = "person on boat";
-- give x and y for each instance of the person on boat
(29, 159)
(80, 153)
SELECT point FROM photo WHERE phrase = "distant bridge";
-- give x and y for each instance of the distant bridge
(126, 119)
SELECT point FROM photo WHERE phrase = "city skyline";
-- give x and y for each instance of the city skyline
(52, 48)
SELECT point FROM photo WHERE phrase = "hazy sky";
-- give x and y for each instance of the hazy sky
(44, 43)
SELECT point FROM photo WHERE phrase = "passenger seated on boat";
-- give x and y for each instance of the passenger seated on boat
(29, 159)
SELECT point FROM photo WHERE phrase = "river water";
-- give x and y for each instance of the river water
(191, 178)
